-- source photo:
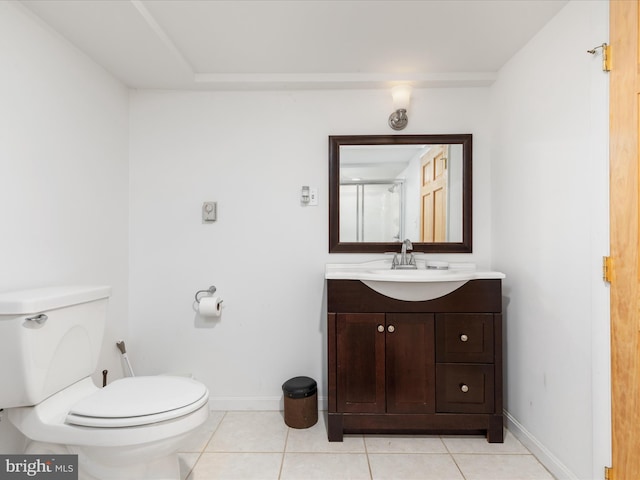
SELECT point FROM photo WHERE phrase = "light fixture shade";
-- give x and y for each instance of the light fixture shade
(401, 96)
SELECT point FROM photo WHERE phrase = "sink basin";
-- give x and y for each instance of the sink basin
(409, 285)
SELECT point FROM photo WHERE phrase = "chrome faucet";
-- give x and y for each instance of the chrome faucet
(406, 245)
(407, 261)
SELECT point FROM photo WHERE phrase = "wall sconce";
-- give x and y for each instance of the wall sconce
(401, 96)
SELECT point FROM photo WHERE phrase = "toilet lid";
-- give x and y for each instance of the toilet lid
(135, 401)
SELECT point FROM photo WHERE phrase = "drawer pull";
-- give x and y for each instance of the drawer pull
(464, 388)
(380, 328)
(463, 338)
(391, 329)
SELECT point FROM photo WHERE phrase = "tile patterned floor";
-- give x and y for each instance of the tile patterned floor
(258, 445)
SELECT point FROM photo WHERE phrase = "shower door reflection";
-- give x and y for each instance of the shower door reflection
(372, 211)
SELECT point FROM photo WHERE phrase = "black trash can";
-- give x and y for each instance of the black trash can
(300, 402)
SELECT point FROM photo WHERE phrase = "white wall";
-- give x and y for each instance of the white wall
(251, 152)
(63, 174)
(549, 177)
(539, 215)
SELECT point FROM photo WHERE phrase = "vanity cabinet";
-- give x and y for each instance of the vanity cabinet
(430, 366)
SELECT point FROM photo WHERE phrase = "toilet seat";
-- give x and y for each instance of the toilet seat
(46, 422)
(135, 401)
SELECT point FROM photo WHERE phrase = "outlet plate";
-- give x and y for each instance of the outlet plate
(313, 196)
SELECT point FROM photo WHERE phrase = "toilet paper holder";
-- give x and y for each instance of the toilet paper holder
(211, 290)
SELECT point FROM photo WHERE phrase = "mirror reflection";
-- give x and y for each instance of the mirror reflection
(392, 192)
(384, 189)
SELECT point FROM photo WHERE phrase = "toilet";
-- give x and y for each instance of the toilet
(50, 340)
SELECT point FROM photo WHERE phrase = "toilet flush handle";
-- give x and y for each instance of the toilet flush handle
(39, 319)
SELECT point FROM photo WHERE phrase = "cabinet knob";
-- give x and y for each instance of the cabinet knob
(391, 329)
(463, 338)
(380, 328)
(464, 388)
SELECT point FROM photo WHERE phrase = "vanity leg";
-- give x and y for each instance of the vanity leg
(334, 427)
(495, 432)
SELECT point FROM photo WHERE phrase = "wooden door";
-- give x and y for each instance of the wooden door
(624, 226)
(360, 362)
(410, 363)
(433, 194)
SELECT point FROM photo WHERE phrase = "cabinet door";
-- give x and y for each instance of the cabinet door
(410, 363)
(360, 362)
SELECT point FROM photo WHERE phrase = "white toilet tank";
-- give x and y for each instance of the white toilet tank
(49, 339)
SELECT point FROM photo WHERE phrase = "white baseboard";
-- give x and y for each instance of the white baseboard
(550, 461)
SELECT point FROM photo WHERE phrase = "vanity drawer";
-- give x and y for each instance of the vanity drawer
(466, 338)
(463, 388)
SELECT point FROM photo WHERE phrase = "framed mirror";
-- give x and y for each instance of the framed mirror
(386, 188)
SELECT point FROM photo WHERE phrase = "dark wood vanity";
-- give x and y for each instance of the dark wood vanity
(431, 366)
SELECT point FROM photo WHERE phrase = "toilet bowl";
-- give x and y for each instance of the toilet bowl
(123, 431)
(129, 430)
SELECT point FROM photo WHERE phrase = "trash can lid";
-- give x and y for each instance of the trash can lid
(299, 387)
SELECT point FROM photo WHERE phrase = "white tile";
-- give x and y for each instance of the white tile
(250, 445)
(325, 466)
(404, 444)
(501, 467)
(186, 462)
(198, 440)
(428, 466)
(314, 440)
(479, 444)
(249, 432)
(237, 466)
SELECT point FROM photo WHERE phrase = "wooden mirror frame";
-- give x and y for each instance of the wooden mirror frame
(335, 141)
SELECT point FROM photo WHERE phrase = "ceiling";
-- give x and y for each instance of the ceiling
(298, 44)
(376, 162)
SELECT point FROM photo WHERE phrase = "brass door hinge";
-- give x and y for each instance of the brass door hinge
(607, 269)
(608, 473)
(606, 58)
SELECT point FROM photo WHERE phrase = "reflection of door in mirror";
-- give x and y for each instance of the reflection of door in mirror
(441, 194)
(433, 192)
